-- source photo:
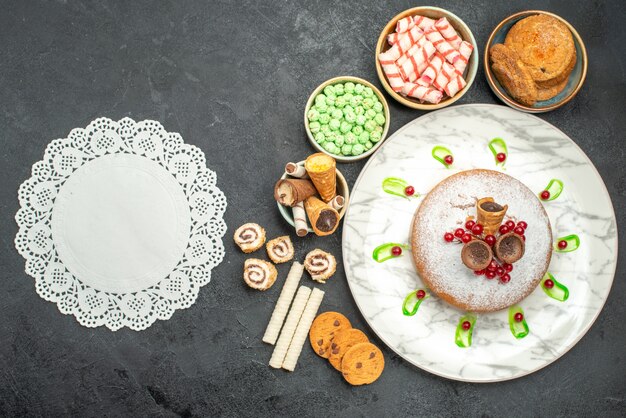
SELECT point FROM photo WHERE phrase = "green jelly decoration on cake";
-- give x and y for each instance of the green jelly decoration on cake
(519, 329)
(413, 301)
(440, 153)
(384, 251)
(498, 146)
(567, 244)
(397, 186)
(554, 189)
(463, 336)
(553, 288)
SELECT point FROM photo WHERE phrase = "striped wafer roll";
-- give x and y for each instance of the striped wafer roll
(404, 24)
(295, 170)
(447, 31)
(443, 46)
(392, 72)
(455, 85)
(425, 94)
(445, 75)
(405, 40)
(466, 51)
(410, 69)
(414, 48)
(337, 202)
(430, 73)
(299, 219)
(423, 22)
(392, 38)
(286, 335)
(283, 302)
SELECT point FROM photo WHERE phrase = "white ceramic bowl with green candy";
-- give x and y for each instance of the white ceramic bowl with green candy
(346, 118)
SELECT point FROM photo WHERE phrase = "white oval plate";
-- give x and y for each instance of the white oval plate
(538, 152)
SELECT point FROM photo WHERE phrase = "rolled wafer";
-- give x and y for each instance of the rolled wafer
(443, 46)
(411, 67)
(295, 170)
(302, 331)
(430, 73)
(490, 214)
(283, 302)
(299, 219)
(425, 94)
(286, 335)
(392, 72)
(423, 22)
(465, 49)
(392, 38)
(337, 202)
(455, 85)
(444, 76)
(323, 173)
(447, 31)
(404, 24)
(324, 219)
(288, 192)
(405, 40)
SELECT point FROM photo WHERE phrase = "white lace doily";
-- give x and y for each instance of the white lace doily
(121, 223)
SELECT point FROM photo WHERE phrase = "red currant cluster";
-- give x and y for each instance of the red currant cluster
(496, 269)
(510, 226)
(472, 230)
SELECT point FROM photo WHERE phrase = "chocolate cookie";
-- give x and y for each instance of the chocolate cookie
(342, 342)
(323, 329)
(362, 364)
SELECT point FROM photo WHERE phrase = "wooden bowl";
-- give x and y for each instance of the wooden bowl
(342, 190)
(434, 13)
(344, 79)
(574, 83)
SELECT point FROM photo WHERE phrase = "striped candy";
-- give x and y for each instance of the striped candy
(448, 32)
(404, 24)
(455, 85)
(443, 46)
(430, 73)
(425, 94)
(465, 50)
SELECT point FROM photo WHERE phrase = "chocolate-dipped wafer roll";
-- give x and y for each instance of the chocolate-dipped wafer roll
(324, 219)
(249, 237)
(280, 250)
(259, 274)
(288, 192)
(299, 219)
(320, 265)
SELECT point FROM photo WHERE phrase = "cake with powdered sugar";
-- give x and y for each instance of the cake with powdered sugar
(481, 240)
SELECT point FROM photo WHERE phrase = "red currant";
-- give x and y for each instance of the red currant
(396, 250)
(466, 325)
(469, 224)
(479, 272)
(505, 278)
(420, 294)
(477, 229)
(545, 195)
(459, 232)
(548, 284)
(519, 230)
(507, 267)
(522, 224)
(518, 317)
(490, 274)
(503, 229)
(466, 238)
(492, 266)
(448, 237)
(501, 157)
(562, 244)
(448, 159)
(500, 271)
(523, 237)
(409, 190)
(510, 224)
(490, 240)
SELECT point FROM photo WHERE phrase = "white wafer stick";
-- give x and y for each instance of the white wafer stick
(283, 302)
(280, 350)
(299, 219)
(337, 202)
(302, 332)
(295, 170)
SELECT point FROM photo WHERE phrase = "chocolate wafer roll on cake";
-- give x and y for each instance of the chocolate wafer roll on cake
(259, 274)
(249, 237)
(280, 250)
(320, 265)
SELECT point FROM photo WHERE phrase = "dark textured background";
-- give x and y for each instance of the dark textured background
(233, 80)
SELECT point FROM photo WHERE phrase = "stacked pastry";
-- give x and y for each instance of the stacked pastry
(426, 60)
(311, 192)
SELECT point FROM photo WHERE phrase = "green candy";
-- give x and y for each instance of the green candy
(379, 129)
(357, 130)
(358, 89)
(320, 137)
(334, 124)
(368, 145)
(321, 107)
(370, 113)
(375, 136)
(350, 118)
(330, 99)
(359, 110)
(350, 138)
(330, 136)
(368, 103)
(348, 97)
(368, 92)
(329, 90)
(339, 89)
(346, 149)
(370, 125)
(320, 98)
(339, 140)
(356, 100)
(360, 120)
(314, 127)
(374, 99)
(348, 109)
(349, 87)
(345, 127)
(364, 137)
(331, 147)
(340, 102)
(378, 107)
(336, 114)
(379, 119)
(325, 129)
(358, 149)
(324, 118)
(313, 115)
